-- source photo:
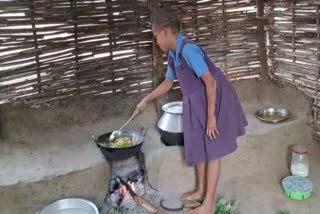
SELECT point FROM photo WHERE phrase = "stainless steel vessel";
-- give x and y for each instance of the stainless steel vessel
(70, 205)
(170, 124)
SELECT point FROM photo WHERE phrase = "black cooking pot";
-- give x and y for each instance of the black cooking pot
(111, 153)
(171, 139)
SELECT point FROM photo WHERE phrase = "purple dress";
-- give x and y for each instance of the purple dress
(231, 120)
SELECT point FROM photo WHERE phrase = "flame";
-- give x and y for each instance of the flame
(131, 184)
(126, 193)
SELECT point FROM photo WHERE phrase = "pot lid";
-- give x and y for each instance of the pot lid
(173, 107)
(300, 149)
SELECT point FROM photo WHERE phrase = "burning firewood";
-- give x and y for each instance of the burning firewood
(139, 200)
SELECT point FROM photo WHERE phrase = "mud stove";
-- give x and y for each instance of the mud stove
(129, 190)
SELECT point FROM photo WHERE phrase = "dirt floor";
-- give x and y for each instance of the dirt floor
(47, 153)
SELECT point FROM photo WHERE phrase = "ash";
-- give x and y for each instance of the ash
(151, 195)
(119, 199)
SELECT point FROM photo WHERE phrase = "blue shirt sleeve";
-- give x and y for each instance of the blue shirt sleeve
(171, 74)
(195, 59)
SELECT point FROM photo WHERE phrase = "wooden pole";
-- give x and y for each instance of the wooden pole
(111, 35)
(225, 35)
(195, 19)
(158, 72)
(272, 43)
(75, 31)
(34, 32)
(293, 37)
(315, 101)
(261, 42)
(293, 30)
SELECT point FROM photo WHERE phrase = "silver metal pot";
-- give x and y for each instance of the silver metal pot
(70, 205)
(171, 120)
(170, 124)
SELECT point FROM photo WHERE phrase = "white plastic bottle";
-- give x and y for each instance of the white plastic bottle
(299, 162)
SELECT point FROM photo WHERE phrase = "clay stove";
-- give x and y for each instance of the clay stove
(129, 190)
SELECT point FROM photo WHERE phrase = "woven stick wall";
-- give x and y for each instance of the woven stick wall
(294, 47)
(53, 50)
(227, 31)
(74, 48)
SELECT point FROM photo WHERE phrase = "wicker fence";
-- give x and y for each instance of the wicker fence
(52, 50)
(56, 49)
(294, 47)
(67, 48)
(227, 31)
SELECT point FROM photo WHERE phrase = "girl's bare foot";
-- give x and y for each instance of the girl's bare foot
(203, 209)
(191, 196)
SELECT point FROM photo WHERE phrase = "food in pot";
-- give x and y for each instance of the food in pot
(122, 142)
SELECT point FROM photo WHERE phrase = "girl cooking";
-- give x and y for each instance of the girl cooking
(212, 115)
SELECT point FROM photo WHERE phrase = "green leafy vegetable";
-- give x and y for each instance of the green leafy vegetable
(225, 207)
(283, 212)
(122, 142)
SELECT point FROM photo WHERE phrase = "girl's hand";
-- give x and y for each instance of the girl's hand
(212, 130)
(141, 106)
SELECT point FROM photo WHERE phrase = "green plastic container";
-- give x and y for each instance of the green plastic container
(297, 187)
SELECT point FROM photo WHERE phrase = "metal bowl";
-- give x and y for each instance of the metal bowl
(70, 206)
(273, 115)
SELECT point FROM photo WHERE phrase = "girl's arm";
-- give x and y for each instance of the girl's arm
(210, 84)
(163, 88)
